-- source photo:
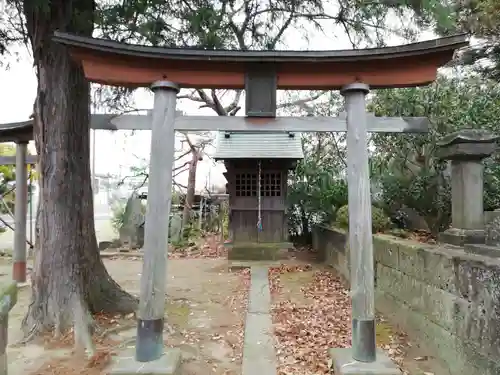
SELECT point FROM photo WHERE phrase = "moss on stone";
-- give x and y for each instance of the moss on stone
(383, 333)
(254, 251)
(380, 221)
(177, 313)
(8, 298)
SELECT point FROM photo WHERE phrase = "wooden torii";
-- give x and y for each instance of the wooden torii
(261, 74)
(21, 133)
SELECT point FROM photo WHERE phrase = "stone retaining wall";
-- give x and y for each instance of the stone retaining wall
(444, 298)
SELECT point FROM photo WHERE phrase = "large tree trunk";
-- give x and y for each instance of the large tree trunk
(69, 279)
(189, 201)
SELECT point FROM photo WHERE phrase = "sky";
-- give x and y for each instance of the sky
(116, 152)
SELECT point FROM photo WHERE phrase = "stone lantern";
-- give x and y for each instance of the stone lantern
(466, 149)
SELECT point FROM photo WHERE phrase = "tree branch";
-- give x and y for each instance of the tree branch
(302, 102)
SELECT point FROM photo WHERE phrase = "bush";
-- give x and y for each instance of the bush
(427, 192)
(118, 216)
(342, 217)
(380, 221)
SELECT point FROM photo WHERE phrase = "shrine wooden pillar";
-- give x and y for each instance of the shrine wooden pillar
(360, 225)
(20, 214)
(149, 344)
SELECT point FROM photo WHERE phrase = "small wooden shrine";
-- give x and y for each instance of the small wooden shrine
(257, 167)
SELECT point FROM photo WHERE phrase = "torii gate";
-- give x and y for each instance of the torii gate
(21, 133)
(260, 74)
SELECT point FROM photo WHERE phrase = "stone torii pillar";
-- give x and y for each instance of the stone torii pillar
(149, 344)
(360, 225)
(20, 213)
(363, 357)
(466, 149)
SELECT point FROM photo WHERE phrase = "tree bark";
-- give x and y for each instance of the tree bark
(189, 201)
(69, 280)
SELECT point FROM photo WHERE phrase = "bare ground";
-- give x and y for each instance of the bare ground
(205, 310)
(206, 307)
(311, 313)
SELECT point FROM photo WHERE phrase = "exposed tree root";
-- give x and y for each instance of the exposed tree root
(116, 329)
(59, 307)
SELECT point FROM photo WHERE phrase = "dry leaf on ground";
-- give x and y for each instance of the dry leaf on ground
(305, 332)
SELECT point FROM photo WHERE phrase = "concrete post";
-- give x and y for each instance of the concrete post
(360, 225)
(363, 357)
(20, 214)
(149, 345)
(200, 218)
(466, 149)
(467, 194)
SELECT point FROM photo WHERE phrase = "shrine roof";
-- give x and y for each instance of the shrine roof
(261, 56)
(258, 145)
(16, 131)
(121, 64)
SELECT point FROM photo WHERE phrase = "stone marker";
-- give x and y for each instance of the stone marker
(175, 227)
(466, 149)
(133, 219)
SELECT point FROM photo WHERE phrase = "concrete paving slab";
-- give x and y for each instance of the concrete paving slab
(259, 294)
(344, 364)
(259, 356)
(236, 265)
(168, 364)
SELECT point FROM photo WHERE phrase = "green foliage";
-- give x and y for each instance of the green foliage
(480, 19)
(7, 171)
(249, 24)
(190, 234)
(380, 221)
(408, 171)
(429, 196)
(317, 187)
(7, 178)
(118, 216)
(492, 183)
(315, 190)
(342, 219)
(225, 225)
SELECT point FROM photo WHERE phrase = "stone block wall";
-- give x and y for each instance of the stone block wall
(333, 248)
(446, 299)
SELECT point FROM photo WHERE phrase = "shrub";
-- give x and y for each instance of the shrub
(380, 221)
(118, 216)
(342, 217)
